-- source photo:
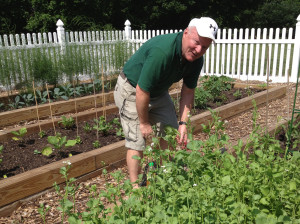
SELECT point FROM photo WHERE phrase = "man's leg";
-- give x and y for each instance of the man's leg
(134, 168)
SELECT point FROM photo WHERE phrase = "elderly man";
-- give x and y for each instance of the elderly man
(141, 92)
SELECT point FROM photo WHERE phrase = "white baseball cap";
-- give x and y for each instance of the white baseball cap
(206, 27)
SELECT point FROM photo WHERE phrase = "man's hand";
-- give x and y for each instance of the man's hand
(182, 137)
(146, 130)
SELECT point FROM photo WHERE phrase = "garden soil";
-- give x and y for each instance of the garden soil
(237, 127)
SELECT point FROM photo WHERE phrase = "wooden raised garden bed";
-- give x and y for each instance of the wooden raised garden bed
(18, 187)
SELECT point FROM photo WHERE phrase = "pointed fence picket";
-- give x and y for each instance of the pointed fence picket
(238, 53)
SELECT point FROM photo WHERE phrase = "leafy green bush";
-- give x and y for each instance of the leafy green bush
(202, 97)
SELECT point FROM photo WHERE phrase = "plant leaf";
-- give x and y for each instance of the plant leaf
(70, 143)
(47, 151)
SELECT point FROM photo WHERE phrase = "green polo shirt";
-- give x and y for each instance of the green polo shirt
(157, 64)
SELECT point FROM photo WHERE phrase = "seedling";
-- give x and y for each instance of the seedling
(18, 135)
(96, 144)
(102, 126)
(67, 123)
(42, 134)
(78, 140)
(58, 143)
(87, 127)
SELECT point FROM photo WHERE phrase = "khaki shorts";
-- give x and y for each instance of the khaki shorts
(161, 113)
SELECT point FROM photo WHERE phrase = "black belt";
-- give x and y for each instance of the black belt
(123, 75)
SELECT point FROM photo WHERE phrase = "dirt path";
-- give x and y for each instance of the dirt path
(236, 127)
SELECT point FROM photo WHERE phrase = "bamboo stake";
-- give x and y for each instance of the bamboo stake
(267, 102)
(36, 106)
(75, 105)
(51, 114)
(288, 95)
(95, 101)
(103, 96)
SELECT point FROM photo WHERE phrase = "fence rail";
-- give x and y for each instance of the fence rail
(253, 54)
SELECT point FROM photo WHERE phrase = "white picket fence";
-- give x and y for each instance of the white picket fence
(246, 54)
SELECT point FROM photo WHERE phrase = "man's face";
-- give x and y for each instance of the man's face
(194, 46)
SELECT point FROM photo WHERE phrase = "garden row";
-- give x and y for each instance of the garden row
(18, 187)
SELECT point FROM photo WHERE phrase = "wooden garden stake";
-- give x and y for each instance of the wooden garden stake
(36, 105)
(288, 94)
(51, 114)
(103, 96)
(267, 102)
(75, 105)
(95, 100)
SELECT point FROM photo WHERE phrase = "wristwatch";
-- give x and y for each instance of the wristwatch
(182, 122)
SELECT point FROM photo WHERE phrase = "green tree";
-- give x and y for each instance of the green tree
(277, 14)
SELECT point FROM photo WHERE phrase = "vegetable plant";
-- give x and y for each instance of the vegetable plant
(57, 94)
(67, 122)
(57, 142)
(237, 94)
(18, 135)
(102, 126)
(87, 127)
(96, 144)
(28, 99)
(202, 97)
(17, 104)
(204, 184)
(42, 96)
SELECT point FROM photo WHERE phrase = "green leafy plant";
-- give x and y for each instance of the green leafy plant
(43, 211)
(42, 96)
(57, 94)
(68, 90)
(28, 99)
(42, 134)
(202, 97)
(87, 127)
(67, 195)
(102, 126)
(18, 135)
(17, 104)
(237, 94)
(87, 88)
(96, 144)
(118, 127)
(1, 105)
(58, 142)
(67, 122)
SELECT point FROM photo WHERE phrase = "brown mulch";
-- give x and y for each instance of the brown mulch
(236, 127)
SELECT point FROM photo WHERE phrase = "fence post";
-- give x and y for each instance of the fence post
(61, 34)
(296, 55)
(127, 30)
